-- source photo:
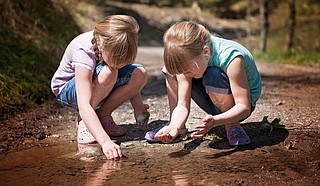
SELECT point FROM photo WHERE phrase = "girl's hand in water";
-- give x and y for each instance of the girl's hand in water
(167, 134)
(111, 150)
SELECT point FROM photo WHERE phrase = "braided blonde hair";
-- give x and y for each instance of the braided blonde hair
(183, 42)
(119, 34)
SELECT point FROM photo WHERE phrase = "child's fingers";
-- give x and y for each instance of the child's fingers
(159, 134)
(202, 126)
(198, 134)
(166, 138)
(169, 138)
(207, 118)
(162, 138)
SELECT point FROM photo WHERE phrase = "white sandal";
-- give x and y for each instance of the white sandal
(83, 134)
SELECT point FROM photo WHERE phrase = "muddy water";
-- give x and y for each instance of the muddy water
(193, 163)
(72, 164)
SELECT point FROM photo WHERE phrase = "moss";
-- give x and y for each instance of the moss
(31, 35)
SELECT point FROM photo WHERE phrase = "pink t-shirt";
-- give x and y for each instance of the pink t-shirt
(79, 53)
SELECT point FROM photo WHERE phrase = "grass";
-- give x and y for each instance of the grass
(305, 50)
(290, 57)
(25, 78)
(33, 35)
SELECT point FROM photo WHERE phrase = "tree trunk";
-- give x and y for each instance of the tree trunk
(248, 17)
(264, 25)
(291, 25)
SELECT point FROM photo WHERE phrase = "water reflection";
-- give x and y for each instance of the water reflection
(180, 178)
(89, 154)
(188, 147)
(101, 175)
(132, 169)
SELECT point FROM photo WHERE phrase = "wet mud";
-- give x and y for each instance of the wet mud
(191, 162)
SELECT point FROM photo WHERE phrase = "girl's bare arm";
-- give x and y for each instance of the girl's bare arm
(181, 112)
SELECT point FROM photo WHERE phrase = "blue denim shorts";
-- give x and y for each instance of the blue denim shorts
(68, 94)
(214, 80)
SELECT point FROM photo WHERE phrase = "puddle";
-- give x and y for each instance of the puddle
(145, 164)
(74, 164)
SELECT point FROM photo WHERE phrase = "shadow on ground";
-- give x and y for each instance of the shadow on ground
(137, 132)
(258, 139)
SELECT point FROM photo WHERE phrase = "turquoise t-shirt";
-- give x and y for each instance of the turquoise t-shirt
(224, 51)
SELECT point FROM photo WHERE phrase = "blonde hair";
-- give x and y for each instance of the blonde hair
(119, 34)
(183, 42)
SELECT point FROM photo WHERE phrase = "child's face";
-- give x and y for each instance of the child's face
(105, 56)
(198, 66)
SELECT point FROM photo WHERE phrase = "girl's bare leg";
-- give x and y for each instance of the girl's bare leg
(103, 85)
(223, 102)
(138, 105)
(130, 91)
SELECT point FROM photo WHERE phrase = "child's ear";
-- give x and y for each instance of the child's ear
(206, 51)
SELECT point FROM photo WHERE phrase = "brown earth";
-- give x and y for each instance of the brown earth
(39, 146)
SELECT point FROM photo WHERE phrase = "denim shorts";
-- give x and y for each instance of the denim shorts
(214, 80)
(68, 94)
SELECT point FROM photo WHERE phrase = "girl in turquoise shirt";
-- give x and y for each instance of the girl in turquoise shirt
(218, 74)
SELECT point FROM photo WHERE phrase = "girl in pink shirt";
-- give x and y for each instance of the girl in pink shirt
(96, 75)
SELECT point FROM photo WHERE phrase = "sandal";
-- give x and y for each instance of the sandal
(150, 134)
(83, 134)
(111, 128)
(143, 118)
(237, 136)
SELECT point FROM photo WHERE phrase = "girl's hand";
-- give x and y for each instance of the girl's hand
(167, 134)
(208, 124)
(111, 150)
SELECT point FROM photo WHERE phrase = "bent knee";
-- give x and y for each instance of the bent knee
(222, 101)
(107, 76)
(139, 75)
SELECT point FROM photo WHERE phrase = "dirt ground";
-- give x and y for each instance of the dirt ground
(39, 146)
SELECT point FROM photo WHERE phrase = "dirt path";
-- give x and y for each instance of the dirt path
(39, 147)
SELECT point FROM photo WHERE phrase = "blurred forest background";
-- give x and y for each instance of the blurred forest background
(34, 34)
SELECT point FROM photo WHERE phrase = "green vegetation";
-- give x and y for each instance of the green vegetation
(292, 57)
(268, 127)
(306, 43)
(25, 74)
(33, 35)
